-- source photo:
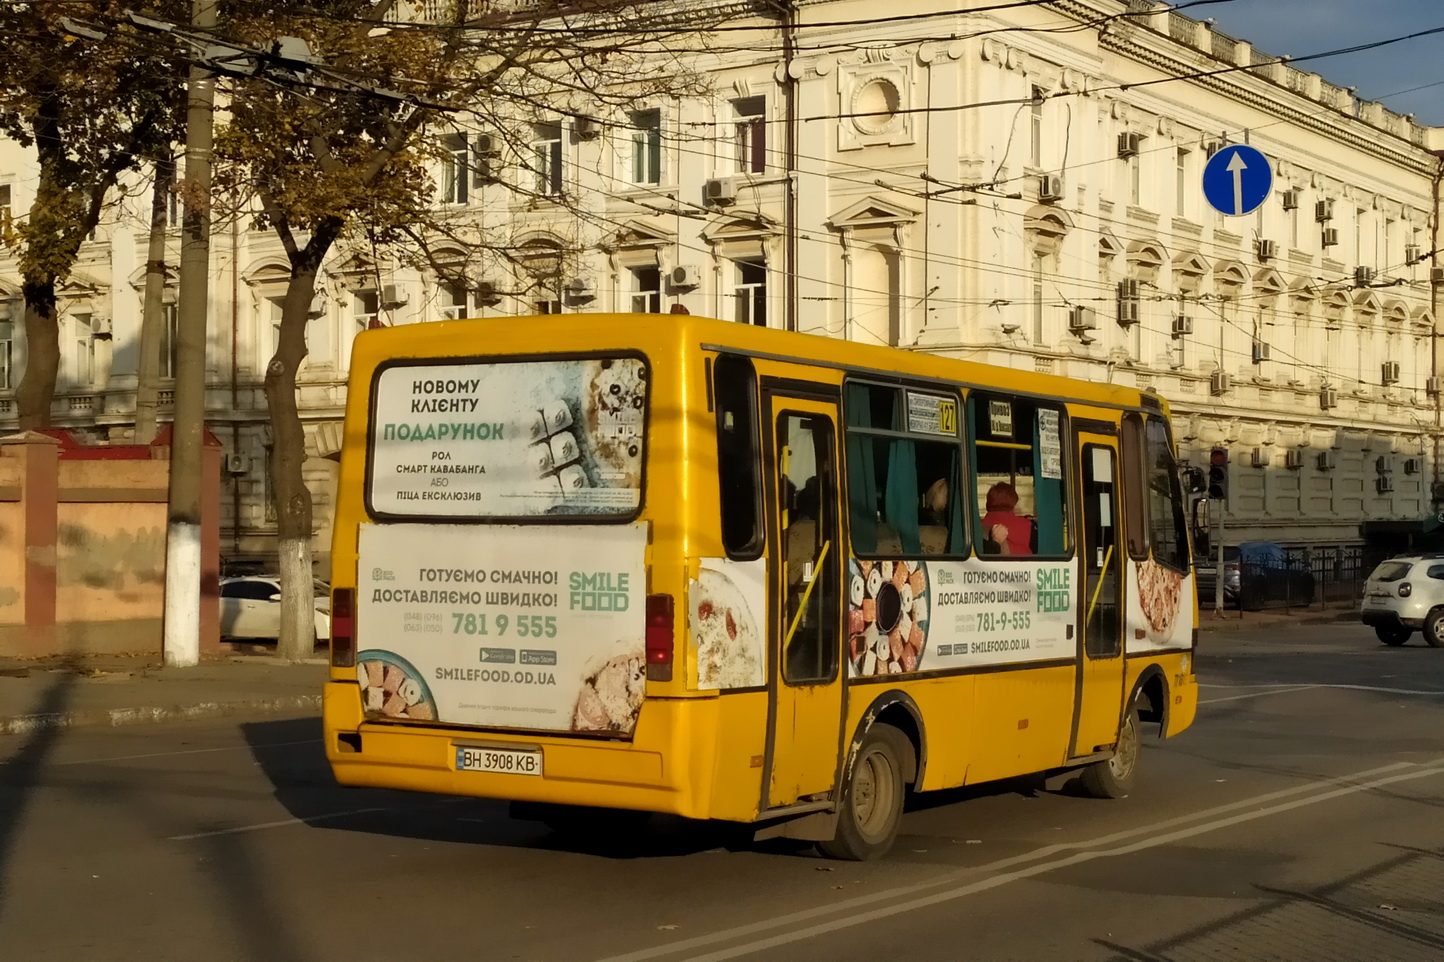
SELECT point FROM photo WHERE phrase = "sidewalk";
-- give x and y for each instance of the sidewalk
(119, 690)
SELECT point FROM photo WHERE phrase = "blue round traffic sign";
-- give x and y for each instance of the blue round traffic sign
(1237, 179)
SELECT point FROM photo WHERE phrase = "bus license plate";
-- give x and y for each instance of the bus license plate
(508, 760)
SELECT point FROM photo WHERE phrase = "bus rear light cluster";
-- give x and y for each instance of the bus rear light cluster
(659, 637)
(343, 628)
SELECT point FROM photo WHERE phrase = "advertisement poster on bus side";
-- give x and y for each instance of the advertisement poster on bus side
(538, 627)
(727, 603)
(1158, 607)
(509, 439)
(908, 616)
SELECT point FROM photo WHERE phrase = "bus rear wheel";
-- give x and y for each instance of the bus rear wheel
(872, 799)
(1113, 777)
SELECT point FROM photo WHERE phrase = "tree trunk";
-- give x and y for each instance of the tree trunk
(36, 391)
(288, 456)
(152, 323)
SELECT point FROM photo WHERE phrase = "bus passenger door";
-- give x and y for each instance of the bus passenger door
(805, 622)
(1100, 653)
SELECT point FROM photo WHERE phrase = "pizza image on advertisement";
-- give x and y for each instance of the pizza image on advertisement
(887, 616)
(1160, 595)
(726, 633)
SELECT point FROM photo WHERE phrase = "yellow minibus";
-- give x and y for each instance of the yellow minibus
(661, 563)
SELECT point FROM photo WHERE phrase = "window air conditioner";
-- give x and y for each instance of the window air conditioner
(1326, 460)
(1219, 382)
(1128, 288)
(1324, 210)
(1267, 249)
(1384, 483)
(1390, 372)
(1413, 465)
(1290, 199)
(720, 191)
(1182, 325)
(1082, 319)
(1383, 464)
(486, 293)
(392, 297)
(486, 145)
(1128, 144)
(587, 128)
(1260, 457)
(1436, 276)
(1411, 253)
(1127, 312)
(1260, 352)
(1050, 188)
(100, 326)
(581, 288)
(1328, 398)
(1330, 237)
(1293, 458)
(1363, 276)
(685, 277)
(235, 464)
(1432, 386)
(317, 307)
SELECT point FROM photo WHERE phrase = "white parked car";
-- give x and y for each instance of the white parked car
(1404, 595)
(251, 607)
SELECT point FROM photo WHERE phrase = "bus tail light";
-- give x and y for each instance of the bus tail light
(659, 638)
(343, 628)
(1405, 590)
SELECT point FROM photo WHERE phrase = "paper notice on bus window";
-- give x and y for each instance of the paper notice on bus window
(1000, 419)
(930, 414)
(497, 439)
(503, 626)
(1050, 447)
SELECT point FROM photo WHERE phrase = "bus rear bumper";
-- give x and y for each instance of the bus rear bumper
(576, 771)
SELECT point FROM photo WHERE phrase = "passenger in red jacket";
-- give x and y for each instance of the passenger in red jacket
(1008, 530)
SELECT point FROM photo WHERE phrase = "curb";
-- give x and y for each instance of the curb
(27, 724)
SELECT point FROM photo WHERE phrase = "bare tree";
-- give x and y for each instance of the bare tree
(335, 142)
(91, 107)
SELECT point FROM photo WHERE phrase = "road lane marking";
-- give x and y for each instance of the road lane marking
(280, 824)
(1255, 694)
(187, 751)
(1349, 784)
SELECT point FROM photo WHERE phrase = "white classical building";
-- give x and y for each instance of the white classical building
(983, 185)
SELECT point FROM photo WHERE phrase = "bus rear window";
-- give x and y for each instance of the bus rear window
(561, 437)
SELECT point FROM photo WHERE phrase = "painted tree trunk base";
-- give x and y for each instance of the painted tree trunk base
(298, 606)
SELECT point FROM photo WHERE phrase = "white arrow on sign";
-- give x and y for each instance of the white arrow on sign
(1236, 166)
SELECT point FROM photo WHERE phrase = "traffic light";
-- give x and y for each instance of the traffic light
(1218, 474)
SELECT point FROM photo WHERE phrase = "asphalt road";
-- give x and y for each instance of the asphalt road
(1302, 817)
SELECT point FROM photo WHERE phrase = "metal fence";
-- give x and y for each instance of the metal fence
(1338, 570)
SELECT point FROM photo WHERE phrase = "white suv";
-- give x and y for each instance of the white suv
(1404, 594)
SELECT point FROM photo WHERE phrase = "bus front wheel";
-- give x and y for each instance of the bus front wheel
(1113, 777)
(872, 799)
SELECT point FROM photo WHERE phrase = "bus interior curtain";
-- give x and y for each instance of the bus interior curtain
(900, 507)
(1048, 498)
(862, 494)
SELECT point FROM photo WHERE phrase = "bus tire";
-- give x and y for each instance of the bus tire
(1113, 778)
(872, 799)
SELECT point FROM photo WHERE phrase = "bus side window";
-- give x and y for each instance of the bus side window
(1135, 486)
(739, 461)
(1167, 526)
(1020, 499)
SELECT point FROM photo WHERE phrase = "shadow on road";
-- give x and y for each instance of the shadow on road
(22, 772)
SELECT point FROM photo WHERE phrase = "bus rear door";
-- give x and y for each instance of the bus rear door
(805, 623)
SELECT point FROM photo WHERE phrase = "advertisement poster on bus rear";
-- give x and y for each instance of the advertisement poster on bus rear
(906, 616)
(539, 627)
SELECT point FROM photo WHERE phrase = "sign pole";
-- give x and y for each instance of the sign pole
(1218, 569)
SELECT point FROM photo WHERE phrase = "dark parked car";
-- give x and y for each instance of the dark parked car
(1256, 574)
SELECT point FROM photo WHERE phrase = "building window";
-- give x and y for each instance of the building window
(5, 214)
(366, 309)
(1135, 180)
(1181, 182)
(456, 167)
(83, 333)
(453, 301)
(646, 290)
(750, 293)
(1035, 154)
(750, 134)
(274, 308)
(647, 147)
(546, 162)
(170, 317)
(1037, 279)
(7, 348)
